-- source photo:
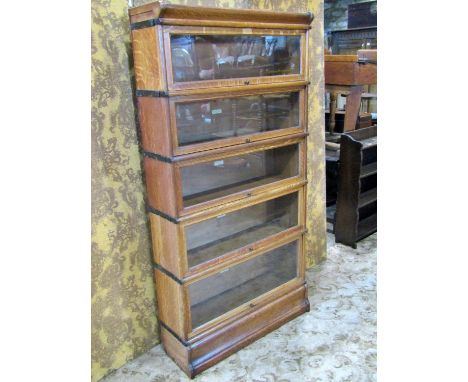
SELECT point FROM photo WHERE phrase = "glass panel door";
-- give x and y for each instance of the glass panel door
(218, 294)
(209, 120)
(215, 179)
(213, 57)
(214, 237)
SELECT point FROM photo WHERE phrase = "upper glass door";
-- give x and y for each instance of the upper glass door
(208, 122)
(196, 55)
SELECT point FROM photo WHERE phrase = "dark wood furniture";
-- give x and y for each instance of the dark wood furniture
(222, 99)
(356, 206)
(362, 15)
(363, 120)
(332, 165)
(346, 75)
(349, 41)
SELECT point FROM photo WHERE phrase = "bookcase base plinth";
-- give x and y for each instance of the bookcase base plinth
(200, 353)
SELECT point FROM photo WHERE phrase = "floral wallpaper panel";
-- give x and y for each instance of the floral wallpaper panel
(123, 300)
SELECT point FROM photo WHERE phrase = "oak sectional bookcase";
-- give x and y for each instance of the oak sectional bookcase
(222, 99)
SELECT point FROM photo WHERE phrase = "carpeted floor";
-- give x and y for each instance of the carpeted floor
(336, 341)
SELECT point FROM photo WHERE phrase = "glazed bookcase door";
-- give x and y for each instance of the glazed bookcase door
(239, 232)
(202, 123)
(236, 175)
(218, 238)
(241, 287)
(220, 57)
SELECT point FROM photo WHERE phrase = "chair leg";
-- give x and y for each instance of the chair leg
(353, 104)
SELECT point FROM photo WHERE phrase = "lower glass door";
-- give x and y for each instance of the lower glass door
(217, 236)
(216, 295)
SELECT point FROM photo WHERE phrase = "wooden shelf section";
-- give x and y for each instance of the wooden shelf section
(369, 169)
(368, 143)
(367, 197)
(354, 177)
(367, 226)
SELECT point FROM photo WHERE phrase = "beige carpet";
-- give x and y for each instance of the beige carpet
(335, 341)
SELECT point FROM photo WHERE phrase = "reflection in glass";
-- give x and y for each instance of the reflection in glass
(209, 57)
(208, 120)
(224, 233)
(232, 287)
(210, 180)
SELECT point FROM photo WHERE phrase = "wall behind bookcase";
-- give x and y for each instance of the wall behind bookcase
(124, 322)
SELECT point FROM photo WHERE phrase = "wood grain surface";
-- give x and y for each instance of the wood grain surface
(172, 14)
(148, 69)
(252, 281)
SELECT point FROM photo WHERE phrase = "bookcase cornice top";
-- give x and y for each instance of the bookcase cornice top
(171, 14)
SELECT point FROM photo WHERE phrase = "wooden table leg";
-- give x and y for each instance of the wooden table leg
(353, 104)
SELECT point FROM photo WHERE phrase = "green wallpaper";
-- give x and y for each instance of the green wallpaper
(123, 301)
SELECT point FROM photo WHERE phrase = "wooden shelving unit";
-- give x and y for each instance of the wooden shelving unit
(356, 206)
(222, 100)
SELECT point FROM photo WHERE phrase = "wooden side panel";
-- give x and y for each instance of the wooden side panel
(348, 191)
(177, 351)
(155, 125)
(356, 208)
(146, 56)
(161, 186)
(168, 245)
(144, 12)
(366, 74)
(339, 73)
(171, 303)
(350, 73)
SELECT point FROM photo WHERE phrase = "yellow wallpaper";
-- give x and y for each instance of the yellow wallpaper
(316, 224)
(123, 301)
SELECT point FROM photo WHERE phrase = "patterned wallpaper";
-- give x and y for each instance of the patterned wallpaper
(123, 299)
(124, 320)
